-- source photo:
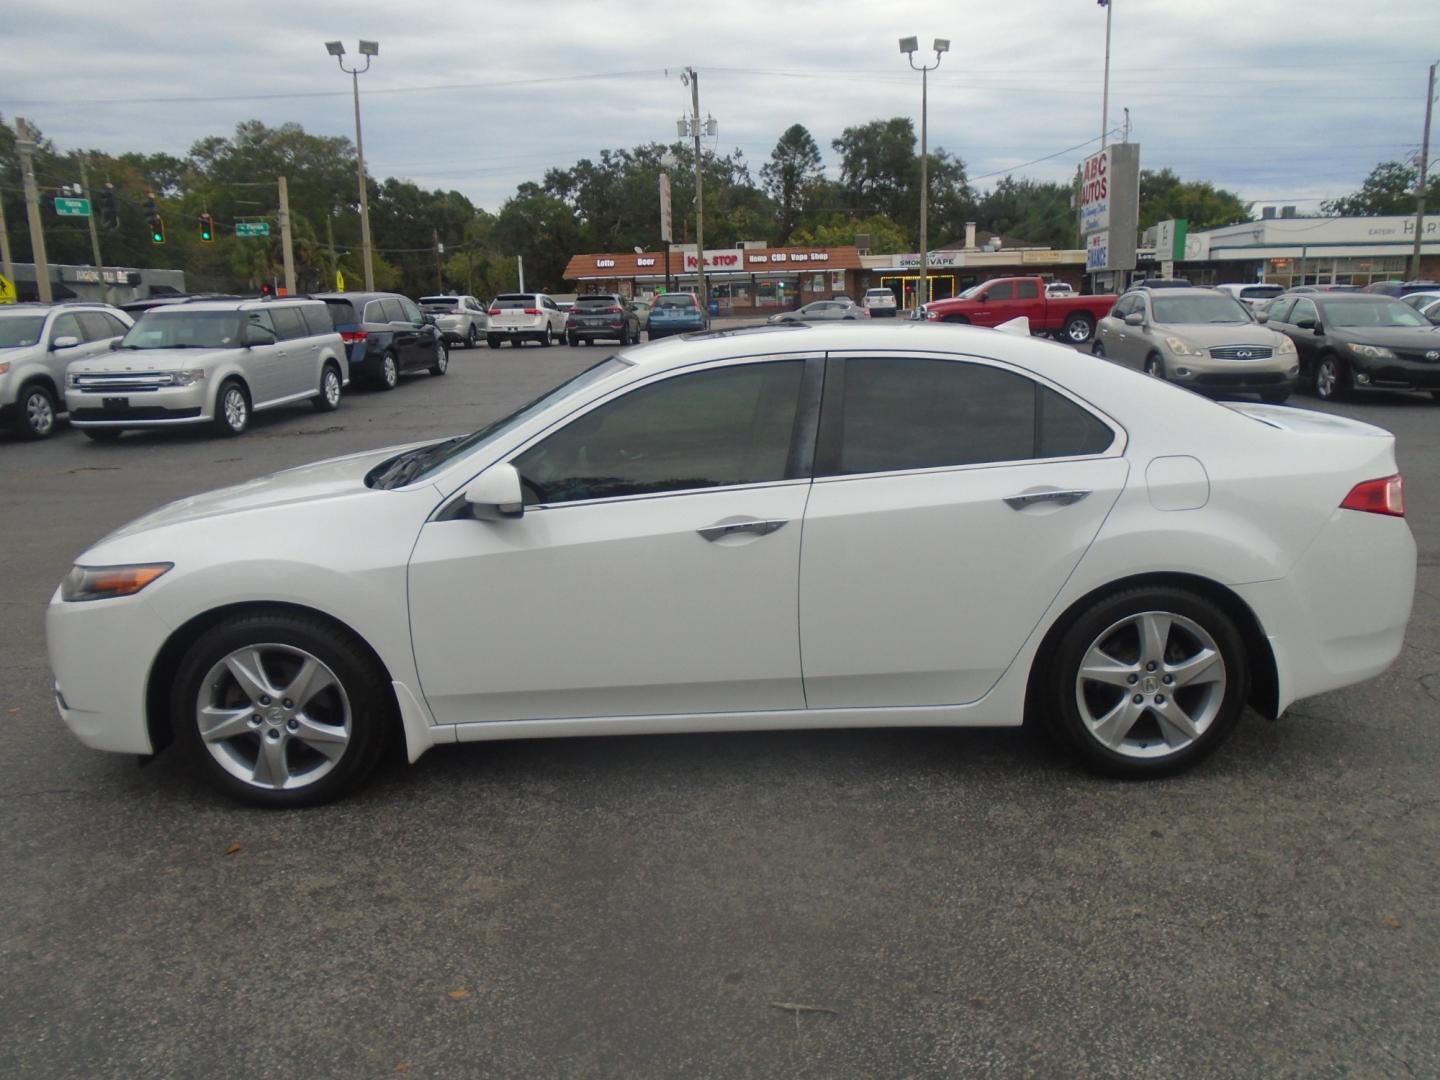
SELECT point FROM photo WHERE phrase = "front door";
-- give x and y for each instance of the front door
(655, 568)
(952, 499)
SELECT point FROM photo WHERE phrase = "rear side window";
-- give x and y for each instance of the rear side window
(289, 323)
(902, 414)
(317, 319)
(717, 428)
(1027, 290)
(98, 326)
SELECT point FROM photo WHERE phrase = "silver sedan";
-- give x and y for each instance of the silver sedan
(821, 311)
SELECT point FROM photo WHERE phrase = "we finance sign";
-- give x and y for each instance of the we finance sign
(1095, 192)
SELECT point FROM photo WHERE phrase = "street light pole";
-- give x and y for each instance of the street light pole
(369, 50)
(909, 46)
(1105, 97)
(1420, 184)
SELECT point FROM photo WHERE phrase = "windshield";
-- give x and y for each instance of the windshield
(1393, 313)
(675, 301)
(1199, 309)
(185, 329)
(1260, 292)
(20, 330)
(415, 465)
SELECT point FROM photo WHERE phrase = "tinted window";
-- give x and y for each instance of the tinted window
(1027, 290)
(98, 326)
(289, 323)
(393, 311)
(409, 312)
(675, 300)
(597, 302)
(66, 325)
(512, 302)
(375, 312)
(1259, 292)
(342, 313)
(317, 318)
(901, 414)
(706, 429)
(440, 304)
(1003, 291)
(260, 329)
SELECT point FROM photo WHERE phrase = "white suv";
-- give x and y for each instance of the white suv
(514, 317)
(37, 343)
(879, 303)
(210, 363)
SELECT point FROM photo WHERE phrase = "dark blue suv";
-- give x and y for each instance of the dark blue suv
(386, 335)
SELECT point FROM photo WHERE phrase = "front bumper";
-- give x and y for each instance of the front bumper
(1397, 374)
(165, 406)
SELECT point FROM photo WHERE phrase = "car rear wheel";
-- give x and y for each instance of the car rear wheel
(1147, 681)
(1078, 329)
(1098, 350)
(35, 412)
(472, 339)
(547, 339)
(492, 340)
(280, 709)
(328, 399)
(389, 372)
(232, 409)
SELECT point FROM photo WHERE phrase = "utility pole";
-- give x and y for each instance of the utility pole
(1420, 185)
(6, 266)
(694, 80)
(287, 247)
(520, 266)
(435, 236)
(1105, 98)
(25, 145)
(94, 231)
(330, 243)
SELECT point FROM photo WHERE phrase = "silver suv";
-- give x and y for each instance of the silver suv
(1201, 338)
(210, 363)
(37, 343)
(461, 319)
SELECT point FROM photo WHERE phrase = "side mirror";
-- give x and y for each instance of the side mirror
(115, 344)
(1135, 318)
(1262, 316)
(1307, 324)
(66, 342)
(429, 320)
(495, 494)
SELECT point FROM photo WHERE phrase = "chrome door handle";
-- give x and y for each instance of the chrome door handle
(731, 528)
(1030, 498)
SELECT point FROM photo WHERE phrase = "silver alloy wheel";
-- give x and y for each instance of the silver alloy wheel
(1150, 684)
(389, 373)
(234, 407)
(330, 386)
(1325, 378)
(1153, 368)
(39, 413)
(1078, 331)
(273, 716)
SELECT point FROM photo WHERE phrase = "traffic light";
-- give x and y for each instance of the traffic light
(157, 230)
(109, 216)
(207, 229)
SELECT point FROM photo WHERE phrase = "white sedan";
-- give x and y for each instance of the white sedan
(803, 527)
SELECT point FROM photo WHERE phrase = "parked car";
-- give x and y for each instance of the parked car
(1199, 338)
(1072, 318)
(386, 336)
(1421, 300)
(517, 317)
(1360, 341)
(602, 315)
(1322, 288)
(210, 363)
(1432, 311)
(460, 319)
(642, 312)
(1059, 288)
(134, 308)
(880, 303)
(677, 313)
(719, 534)
(1401, 288)
(1162, 283)
(38, 342)
(841, 307)
(1252, 295)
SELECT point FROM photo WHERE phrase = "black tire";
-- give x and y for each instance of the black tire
(472, 339)
(103, 434)
(328, 399)
(232, 409)
(547, 338)
(572, 340)
(388, 377)
(492, 340)
(363, 687)
(1141, 749)
(1332, 378)
(442, 359)
(1275, 397)
(1078, 329)
(35, 412)
(1097, 350)
(1155, 366)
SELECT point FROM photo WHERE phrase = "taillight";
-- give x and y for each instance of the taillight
(614, 311)
(1383, 496)
(350, 337)
(493, 311)
(532, 311)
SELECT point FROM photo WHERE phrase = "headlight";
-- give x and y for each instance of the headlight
(186, 378)
(105, 582)
(1181, 347)
(4, 367)
(1285, 346)
(1374, 352)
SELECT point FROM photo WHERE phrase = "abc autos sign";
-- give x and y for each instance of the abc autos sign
(1095, 192)
(1109, 206)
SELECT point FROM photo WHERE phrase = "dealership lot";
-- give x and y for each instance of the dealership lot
(935, 901)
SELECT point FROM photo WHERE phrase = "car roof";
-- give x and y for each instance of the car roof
(234, 305)
(1189, 290)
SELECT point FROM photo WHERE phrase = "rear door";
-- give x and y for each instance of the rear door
(299, 371)
(952, 499)
(264, 358)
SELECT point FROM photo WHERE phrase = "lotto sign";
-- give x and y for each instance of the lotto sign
(1095, 192)
(1097, 252)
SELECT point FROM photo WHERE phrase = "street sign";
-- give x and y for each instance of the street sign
(252, 228)
(72, 207)
(665, 216)
(339, 281)
(7, 291)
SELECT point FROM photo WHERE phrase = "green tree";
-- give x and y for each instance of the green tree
(1163, 195)
(790, 175)
(1029, 209)
(880, 173)
(1389, 189)
(543, 229)
(841, 229)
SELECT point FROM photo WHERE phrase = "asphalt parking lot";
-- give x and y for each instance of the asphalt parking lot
(815, 904)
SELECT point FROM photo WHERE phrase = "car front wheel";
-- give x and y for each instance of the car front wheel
(1331, 379)
(232, 409)
(1147, 681)
(35, 413)
(280, 709)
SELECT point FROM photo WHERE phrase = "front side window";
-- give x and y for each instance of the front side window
(1279, 308)
(393, 311)
(900, 414)
(1004, 291)
(716, 428)
(1303, 309)
(66, 325)
(410, 313)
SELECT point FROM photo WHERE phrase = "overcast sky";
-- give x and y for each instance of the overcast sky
(1279, 100)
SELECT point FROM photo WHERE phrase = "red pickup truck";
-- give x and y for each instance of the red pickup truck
(1071, 318)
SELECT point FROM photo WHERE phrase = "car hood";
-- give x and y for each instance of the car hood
(333, 478)
(148, 360)
(1212, 334)
(1399, 337)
